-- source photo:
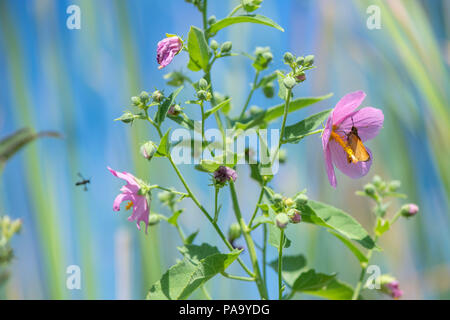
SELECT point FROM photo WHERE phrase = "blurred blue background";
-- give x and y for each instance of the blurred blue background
(77, 81)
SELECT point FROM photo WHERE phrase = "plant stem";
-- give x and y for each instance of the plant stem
(264, 256)
(280, 265)
(237, 277)
(255, 82)
(283, 124)
(261, 194)
(363, 273)
(216, 212)
(206, 293)
(250, 244)
(236, 9)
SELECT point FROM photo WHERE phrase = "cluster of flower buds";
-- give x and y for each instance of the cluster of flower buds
(225, 48)
(298, 65)
(142, 100)
(288, 210)
(203, 93)
(224, 174)
(8, 228)
(263, 57)
(251, 5)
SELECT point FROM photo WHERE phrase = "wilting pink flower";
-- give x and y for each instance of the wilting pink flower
(368, 122)
(167, 49)
(393, 289)
(130, 192)
(224, 174)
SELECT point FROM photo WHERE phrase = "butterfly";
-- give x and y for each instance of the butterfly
(360, 153)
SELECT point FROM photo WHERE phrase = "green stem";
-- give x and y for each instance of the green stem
(250, 244)
(261, 194)
(236, 9)
(255, 82)
(229, 276)
(155, 186)
(396, 216)
(264, 255)
(363, 273)
(206, 293)
(216, 212)
(280, 265)
(283, 124)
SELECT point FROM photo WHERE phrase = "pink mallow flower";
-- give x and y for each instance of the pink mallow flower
(337, 150)
(393, 289)
(137, 199)
(167, 49)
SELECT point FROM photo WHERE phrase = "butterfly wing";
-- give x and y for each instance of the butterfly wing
(358, 148)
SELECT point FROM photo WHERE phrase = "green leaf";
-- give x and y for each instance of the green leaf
(163, 148)
(256, 18)
(276, 112)
(282, 90)
(173, 220)
(198, 50)
(291, 268)
(330, 217)
(16, 141)
(382, 226)
(200, 264)
(255, 174)
(333, 290)
(164, 107)
(217, 108)
(183, 120)
(358, 254)
(311, 281)
(274, 237)
(208, 165)
(294, 133)
(191, 237)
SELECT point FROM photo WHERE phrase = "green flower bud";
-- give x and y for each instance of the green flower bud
(136, 101)
(301, 200)
(157, 96)
(234, 232)
(282, 156)
(202, 95)
(202, 84)
(394, 185)
(214, 45)
(294, 216)
(300, 61)
(251, 5)
(288, 202)
(226, 47)
(289, 82)
(269, 90)
(153, 219)
(282, 220)
(127, 117)
(369, 189)
(409, 210)
(144, 97)
(148, 149)
(288, 58)
(300, 77)
(212, 20)
(309, 61)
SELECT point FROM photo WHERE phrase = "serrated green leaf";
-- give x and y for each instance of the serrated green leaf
(333, 290)
(291, 267)
(16, 141)
(276, 112)
(199, 265)
(358, 254)
(217, 108)
(198, 50)
(294, 133)
(164, 107)
(163, 148)
(330, 217)
(275, 235)
(256, 18)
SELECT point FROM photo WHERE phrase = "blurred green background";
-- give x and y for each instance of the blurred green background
(77, 81)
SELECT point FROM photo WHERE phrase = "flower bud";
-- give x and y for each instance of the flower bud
(300, 77)
(127, 117)
(174, 110)
(282, 220)
(153, 219)
(278, 202)
(226, 47)
(269, 90)
(288, 202)
(289, 82)
(234, 232)
(369, 189)
(202, 84)
(148, 149)
(251, 5)
(394, 185)
(144, 97)
(214, 45)
(167, 198)
(157, 96)
(288, 58)
(390, 286)
(309, 61)
(301, 200)
(282, 156)
(202, 95)
(300, 61)
(224, 174)
(136, 101)
(212, 20)
(409, 210)
(294, 216)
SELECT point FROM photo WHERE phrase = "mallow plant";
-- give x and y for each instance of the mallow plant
(344, 131)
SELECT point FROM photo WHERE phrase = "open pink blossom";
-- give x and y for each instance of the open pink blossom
(167, 49)
(368, 122)
(130, 192)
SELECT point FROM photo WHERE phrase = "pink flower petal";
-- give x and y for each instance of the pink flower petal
(128, 177)
(368, 121)
(329, 168)
(120, 198)
(347, 105)
(327, 132)
(353, 170)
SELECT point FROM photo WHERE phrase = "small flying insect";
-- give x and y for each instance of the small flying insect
(84, 182)
(360, 153)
